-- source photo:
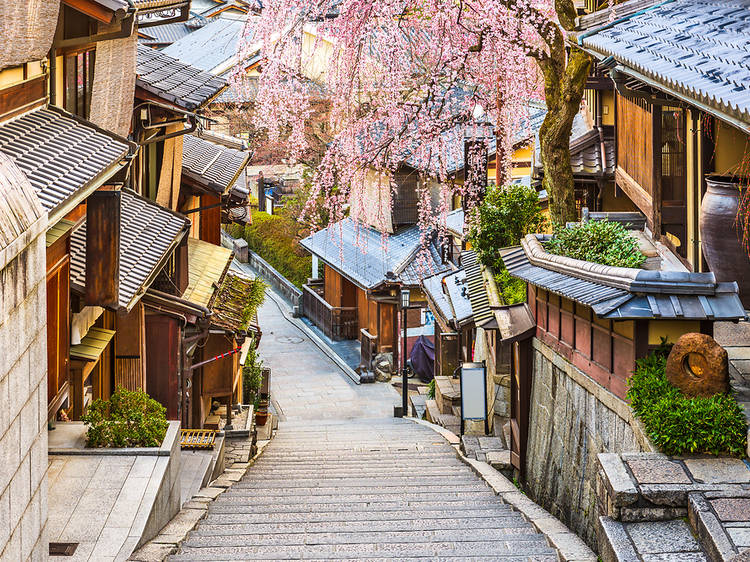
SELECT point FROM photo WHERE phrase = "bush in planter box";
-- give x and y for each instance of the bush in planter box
(127, 419)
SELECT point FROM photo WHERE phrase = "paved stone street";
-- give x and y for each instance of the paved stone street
(305, 383)
(361, 486)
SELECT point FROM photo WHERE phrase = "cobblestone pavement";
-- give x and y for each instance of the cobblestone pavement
(361, 489)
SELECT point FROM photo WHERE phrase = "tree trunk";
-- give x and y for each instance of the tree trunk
(563, 85)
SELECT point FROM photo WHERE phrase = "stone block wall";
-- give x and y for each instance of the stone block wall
(23, 401)
(572, 419)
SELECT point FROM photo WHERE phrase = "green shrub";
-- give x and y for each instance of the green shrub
(603, 242)
(127, 419)
(679, 425)
(275, 239)
(431, 389)
(252, 375)
(505, 216)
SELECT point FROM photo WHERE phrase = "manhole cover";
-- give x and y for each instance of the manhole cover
(289, 339)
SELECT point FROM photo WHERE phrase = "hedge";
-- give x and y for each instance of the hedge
(275, 239)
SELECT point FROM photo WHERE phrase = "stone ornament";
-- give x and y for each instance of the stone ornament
(698, 366)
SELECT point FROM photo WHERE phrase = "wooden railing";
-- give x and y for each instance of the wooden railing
(368, 348)
(338, 323)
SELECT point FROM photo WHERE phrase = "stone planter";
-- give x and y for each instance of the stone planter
(723, 250)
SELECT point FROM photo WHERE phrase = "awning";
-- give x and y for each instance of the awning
(92, 344)
(65, 157)
(207, 266)
(59, 230)
(212, 165)
(149, 234)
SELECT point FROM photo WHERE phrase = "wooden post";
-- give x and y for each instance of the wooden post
(656, 195)
(103, 248)
(76, 390)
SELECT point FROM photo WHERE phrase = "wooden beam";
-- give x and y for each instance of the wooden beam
(635, 192)
(22, 96)
(92, 10)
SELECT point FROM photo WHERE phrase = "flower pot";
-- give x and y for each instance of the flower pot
(261, 418)
(724, 253)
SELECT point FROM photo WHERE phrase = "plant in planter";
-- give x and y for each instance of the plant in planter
(505, 216)
(127, 419)
(604, 242)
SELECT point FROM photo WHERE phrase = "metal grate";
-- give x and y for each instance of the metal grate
(62, 548)
(197, 438)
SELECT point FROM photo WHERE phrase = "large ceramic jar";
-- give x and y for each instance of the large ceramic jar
(719, 237)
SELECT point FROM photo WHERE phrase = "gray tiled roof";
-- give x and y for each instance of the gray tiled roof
(697, 48)
(618, 303)
(457, 290)
(148, 234)
(480, 300)
(213, 165)
(454, 222)
(433, 288)
(212, 45)
(175, 81)
(61, 154)
(168, 33)
(365, 255)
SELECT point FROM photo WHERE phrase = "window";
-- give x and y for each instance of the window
(78, 78)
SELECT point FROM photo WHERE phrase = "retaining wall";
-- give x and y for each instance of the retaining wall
(572, 419)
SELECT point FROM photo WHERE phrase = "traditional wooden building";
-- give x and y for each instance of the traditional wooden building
(680, 112)
(358, 296)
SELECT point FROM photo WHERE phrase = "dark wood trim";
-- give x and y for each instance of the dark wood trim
(92, 10)
(22, 95)
(656, 192)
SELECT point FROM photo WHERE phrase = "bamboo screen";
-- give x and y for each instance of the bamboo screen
(27, 29)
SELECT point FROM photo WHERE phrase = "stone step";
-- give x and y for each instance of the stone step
(388, 550)
(349, 482)
(233, 516)
(336, 490)
(511, 558)
(521, 536)
(353, 506)
(348, 498)
(498, 521)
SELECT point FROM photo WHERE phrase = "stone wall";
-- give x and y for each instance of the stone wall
(23, 398)
(572, 419)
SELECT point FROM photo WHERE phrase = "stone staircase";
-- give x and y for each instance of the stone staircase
(364, 489)
(445, 409)
(673, 509)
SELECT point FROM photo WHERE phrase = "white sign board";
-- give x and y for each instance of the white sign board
(473, 391)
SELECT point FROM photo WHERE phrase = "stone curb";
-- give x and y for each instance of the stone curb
(323, 346)
(570, 546)
(176, 531)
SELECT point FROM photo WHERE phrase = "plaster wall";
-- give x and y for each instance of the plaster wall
(23, 399)
(571, 420)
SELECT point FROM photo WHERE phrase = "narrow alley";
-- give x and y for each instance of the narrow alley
(343, 479)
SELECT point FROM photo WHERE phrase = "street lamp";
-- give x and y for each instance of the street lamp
(405, 296)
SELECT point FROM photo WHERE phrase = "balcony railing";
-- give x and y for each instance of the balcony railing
(336, 322)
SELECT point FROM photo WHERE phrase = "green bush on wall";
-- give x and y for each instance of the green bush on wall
(275, 239)
(127, 419)
(679, 425)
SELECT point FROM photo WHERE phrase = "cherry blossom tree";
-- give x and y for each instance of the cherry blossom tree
(405, 79)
